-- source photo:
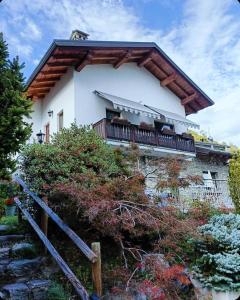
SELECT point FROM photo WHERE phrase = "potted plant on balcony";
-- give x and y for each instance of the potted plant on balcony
(187, 136)
(121, 121)
(168, 131)
(146, 126)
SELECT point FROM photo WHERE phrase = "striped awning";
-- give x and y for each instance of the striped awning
(143, 109)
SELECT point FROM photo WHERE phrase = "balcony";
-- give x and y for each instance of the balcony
(216, 191)
(135, 134)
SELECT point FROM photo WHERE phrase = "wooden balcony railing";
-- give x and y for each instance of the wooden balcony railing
(132, 133)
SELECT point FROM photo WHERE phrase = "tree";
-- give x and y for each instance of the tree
(234, 180)
(14, 109)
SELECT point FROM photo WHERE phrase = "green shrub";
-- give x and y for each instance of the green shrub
(234, 180)
(10, 220)
(73, 151)
(57, 292)
(218, 261)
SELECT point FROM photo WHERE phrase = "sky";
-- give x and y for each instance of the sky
(201, 36)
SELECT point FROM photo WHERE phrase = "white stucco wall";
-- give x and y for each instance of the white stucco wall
(60, 98)
(36, 119)
(130, 82)
(73, 94)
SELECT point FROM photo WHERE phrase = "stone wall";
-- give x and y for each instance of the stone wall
(200, 164)
(217, 192)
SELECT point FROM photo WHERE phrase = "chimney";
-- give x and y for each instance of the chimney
(78, 35)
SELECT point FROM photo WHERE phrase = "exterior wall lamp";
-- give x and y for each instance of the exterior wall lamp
(50, 113)
(40, 137)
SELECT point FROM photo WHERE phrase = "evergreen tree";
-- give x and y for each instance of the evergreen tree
(15, 108)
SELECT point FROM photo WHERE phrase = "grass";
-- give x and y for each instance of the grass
(14, 226)
(10, 221)
(57, 292)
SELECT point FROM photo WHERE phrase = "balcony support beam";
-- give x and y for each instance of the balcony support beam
(123, 59)
(147, 58)
(188, 99)
(85, 61)
(169, 79)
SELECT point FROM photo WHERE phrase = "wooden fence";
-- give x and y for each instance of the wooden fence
(93, 255)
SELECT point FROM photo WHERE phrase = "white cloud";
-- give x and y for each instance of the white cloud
(205, 44)
(31, 31)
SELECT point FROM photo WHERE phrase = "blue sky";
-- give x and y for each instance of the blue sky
(202, 37)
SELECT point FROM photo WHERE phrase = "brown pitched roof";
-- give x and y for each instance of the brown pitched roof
(79, 53)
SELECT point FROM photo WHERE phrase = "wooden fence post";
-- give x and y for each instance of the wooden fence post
(96, 269)
(44, 221)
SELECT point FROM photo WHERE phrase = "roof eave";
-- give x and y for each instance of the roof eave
(87, 43)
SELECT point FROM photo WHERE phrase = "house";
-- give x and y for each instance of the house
(211, 162)
(128, 91)
(104, 83)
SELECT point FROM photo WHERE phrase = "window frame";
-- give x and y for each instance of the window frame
(108, 110)
(59, 115)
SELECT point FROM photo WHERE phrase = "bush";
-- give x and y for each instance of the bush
(10, 220)
(234, 180)
(57, 292)
(100, 193)
(218, 261)
(73, 151)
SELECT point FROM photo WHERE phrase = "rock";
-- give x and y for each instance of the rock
(16, 291)
(49, 268)
(23, 267)
(201, 293)
(3, 269)
(38, 289)
(11, 237)
(5, 261)
(157, 257)
(22, 248)
(4, 252)
(4, 228)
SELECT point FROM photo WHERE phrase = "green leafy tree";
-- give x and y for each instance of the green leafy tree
(234, 180)
(14, 110)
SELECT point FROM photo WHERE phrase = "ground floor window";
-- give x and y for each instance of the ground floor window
(210, 178)
(60, 120)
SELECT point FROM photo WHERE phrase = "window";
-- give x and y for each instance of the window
(47, 133)
(160, 126)
(110, 114)
(60, 120)
(214, 175)
(210, 178)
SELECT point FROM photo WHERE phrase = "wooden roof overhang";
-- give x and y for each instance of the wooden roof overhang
(68, 53)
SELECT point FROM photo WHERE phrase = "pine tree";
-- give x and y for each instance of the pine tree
(15, 108)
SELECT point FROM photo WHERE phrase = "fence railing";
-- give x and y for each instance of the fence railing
(132, 133)
(214, 190)
(93, 255)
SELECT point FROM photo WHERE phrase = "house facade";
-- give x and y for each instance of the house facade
(128, 91)
(94, 82)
